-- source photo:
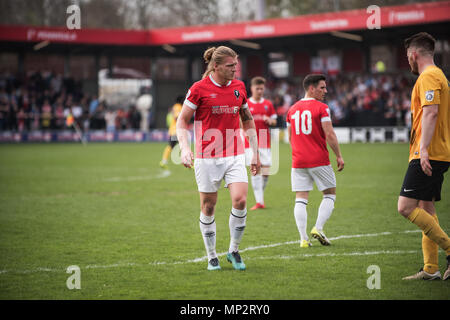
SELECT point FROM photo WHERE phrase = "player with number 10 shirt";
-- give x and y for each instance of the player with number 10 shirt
(309, 145)
(310, 129)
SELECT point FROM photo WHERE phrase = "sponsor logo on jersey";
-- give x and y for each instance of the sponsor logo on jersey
(258, 117)
(224, 109)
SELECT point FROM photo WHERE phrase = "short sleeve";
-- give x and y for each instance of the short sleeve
(244, 97)
(288, 118)
(429, 90)
(193, 97)
(271, 112)
(325, 113)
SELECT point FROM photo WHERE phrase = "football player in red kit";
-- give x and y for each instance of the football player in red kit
(219, 102)
(310, 129)
(265, 116)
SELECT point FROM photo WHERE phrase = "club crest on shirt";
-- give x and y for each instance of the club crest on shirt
(236, 93)
(429, 95)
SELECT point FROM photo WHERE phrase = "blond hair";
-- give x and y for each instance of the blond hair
(217, 55)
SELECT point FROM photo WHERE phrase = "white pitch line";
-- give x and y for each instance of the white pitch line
(331, 254)
(163, 174)
(204, 258)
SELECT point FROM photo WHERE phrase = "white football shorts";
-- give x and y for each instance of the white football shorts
(302, 178)
(209, 172)
(265, 156)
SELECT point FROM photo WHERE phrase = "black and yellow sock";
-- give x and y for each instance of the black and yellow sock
(166, 154)
(431, 228)
(430, 251)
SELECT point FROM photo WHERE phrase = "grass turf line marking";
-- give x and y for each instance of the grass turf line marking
(331, 254)
(204, 258)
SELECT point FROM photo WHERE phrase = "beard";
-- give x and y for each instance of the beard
(414, 68)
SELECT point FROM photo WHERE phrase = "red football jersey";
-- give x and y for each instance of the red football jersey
(216, 125)
(259, 110)
(309, 146)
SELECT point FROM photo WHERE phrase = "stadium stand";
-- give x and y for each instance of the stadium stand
(47, 72)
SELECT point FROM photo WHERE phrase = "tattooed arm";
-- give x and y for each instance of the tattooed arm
(248, 124)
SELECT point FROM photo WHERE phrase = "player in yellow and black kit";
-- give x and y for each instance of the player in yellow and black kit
(429, 156)
(172, 123)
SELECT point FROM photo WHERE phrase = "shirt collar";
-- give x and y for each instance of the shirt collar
(212, 80)
(254, 101)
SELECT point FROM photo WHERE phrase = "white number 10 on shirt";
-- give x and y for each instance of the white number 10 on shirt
(303, 121)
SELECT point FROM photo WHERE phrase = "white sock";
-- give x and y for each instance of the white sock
(325, 209)
(301, 216)
(208, 229)
(237, 227)
(265, 180)
(257, 184)
(286, 135)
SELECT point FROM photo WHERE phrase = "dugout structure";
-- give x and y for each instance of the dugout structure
(338, 42)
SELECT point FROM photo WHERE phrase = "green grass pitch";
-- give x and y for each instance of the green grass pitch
(133, 230)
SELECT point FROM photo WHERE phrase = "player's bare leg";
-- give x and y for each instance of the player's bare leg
(325, 210)
(208, 227)
(237, 222)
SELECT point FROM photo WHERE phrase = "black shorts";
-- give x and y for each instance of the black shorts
(173, 141)
(418, 185)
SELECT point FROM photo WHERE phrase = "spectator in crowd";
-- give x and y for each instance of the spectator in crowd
(4, 108)
(35, 115)
(59, 118)
(135, 118)
(110, 120)
(121, 119)
(46, 115)
(93, 105)
(21, 118)
(98, 117)
(85, 119)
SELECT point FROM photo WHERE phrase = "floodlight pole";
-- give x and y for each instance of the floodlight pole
(260, 10)
(337, 5)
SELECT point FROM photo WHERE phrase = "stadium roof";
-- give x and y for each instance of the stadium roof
(344, 21)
